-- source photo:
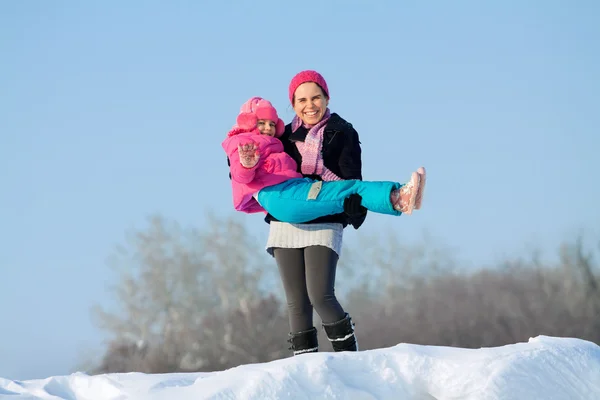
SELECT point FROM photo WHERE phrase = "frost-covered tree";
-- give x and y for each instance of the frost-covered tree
(172, 283)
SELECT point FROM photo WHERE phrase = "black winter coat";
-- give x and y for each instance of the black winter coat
(341, 154)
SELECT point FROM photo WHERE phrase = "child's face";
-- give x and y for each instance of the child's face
(266, 127)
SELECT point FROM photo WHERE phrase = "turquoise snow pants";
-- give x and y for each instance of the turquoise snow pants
(302, 199)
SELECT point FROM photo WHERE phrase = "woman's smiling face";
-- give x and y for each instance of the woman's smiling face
(310, 103)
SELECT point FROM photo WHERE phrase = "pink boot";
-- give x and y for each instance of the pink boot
(419, 199)
(403, 199)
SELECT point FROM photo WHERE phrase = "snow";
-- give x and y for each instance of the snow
(543, 368)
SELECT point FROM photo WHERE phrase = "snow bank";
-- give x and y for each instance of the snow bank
(543, 368)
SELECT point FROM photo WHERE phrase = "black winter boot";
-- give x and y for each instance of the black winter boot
(304, 342)
(341, 334)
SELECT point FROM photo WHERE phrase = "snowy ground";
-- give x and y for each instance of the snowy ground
(544, 368)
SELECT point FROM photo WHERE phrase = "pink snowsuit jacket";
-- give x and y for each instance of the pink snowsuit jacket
(274, 167)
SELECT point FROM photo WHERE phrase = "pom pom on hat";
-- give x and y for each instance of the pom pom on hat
(247, 120)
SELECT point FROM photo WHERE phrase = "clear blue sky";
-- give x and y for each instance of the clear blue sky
(110, 113)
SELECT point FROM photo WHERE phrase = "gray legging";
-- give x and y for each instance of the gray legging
(308, 277)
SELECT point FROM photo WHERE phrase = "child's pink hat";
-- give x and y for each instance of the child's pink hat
(307, 76)
(258, 108)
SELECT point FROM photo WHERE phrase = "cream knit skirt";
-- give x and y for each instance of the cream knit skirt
(285, 235)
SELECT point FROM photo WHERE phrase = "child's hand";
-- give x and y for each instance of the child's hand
(249, 154)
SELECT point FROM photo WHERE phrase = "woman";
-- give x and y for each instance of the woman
(325, 147)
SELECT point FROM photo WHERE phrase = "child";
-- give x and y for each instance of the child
(266, 179)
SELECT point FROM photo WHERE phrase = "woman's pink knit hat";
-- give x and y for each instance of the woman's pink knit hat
(307, 76)
(258, 108)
